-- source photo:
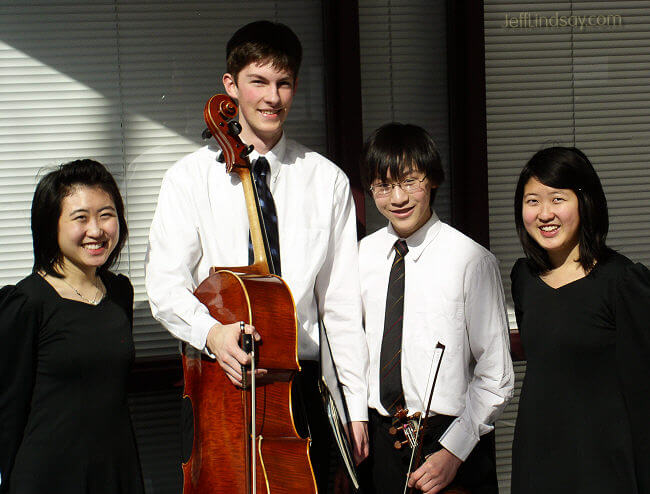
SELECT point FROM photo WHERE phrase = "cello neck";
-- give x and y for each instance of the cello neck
(262, 263)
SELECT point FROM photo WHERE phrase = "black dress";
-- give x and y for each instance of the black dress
(64, 421)
(584, 413)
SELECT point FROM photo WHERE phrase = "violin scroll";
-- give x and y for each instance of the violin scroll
(410, 425)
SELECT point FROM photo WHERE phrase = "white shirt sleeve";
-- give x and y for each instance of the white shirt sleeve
(338, 293)
(173, 253)
(493, 381)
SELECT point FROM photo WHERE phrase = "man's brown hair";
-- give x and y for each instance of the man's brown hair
(264, 41)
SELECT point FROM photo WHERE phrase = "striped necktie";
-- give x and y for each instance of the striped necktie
(391, 393)
(261, 169)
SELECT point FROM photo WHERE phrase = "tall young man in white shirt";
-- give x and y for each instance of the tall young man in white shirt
(444, 288)
(201, 221)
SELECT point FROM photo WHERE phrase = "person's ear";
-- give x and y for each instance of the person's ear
(230, 85)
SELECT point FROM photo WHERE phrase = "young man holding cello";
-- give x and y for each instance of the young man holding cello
(425, 285)
(201, 221)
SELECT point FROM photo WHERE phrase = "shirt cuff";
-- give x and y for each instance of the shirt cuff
(459, 438)
(357, 407)
(201, 326)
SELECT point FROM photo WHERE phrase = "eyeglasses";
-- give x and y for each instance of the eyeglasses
(409, 185)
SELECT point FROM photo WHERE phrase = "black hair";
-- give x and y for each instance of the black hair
(398, 149)
(566, 168)
(46, 210)
(260, 41)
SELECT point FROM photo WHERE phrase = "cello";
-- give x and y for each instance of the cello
(244, 439)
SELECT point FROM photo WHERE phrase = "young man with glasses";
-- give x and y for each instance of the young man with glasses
(201, 221)
(423, 283)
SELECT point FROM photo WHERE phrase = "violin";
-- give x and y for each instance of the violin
(244, 439)
(413, 427)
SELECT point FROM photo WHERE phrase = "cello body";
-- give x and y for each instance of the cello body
(221, 443)
(244, 438)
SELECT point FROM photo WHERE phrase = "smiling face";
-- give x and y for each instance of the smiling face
(88, 229)
(406, 212)
(552, 218)
(264, 94)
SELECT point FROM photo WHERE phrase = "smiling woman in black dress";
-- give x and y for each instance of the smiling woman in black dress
(66, 346)
(583, 313)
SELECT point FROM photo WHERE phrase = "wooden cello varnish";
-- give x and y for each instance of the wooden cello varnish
(222, 453)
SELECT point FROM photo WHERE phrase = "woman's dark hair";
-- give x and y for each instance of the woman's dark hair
(567, 168)
(398, 149)
(46, 210)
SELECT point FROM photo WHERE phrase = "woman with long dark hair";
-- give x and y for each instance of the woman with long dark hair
(66, 345)
(583, 313)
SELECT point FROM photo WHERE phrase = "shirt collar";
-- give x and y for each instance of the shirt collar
(275, 156)
(418, 241)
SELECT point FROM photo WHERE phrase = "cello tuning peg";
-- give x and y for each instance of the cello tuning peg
(206, 134)
(234, 128)
(400, 444)
(246, 151)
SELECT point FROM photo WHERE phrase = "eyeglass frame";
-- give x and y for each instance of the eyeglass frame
(418, 183)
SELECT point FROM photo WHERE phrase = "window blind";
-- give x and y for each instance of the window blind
(124, 82)
(404, 78)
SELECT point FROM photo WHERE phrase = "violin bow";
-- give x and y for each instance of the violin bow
(416, 451)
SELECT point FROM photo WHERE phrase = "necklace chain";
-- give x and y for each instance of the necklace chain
(94, 301)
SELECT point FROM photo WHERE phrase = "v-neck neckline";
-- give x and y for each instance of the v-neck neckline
(570, 283)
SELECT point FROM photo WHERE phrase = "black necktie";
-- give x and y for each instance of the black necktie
(391, 393)
(261, 169)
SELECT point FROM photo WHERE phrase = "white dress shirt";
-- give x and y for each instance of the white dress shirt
(453, 295)
(201, 221)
